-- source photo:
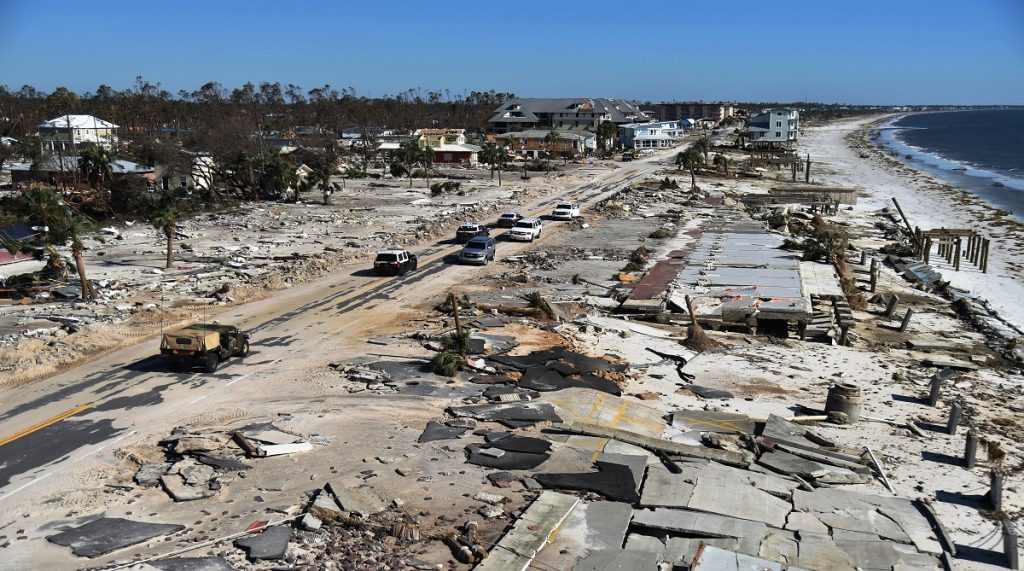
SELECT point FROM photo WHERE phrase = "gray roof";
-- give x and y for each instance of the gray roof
(70, 163)
(541, 133)
(620, 110)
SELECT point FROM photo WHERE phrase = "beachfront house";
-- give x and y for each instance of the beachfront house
(773, 128)
(534, 142)
(62, 134)
(659, 135)
(449, 146)
(54, 169)
(525, 114)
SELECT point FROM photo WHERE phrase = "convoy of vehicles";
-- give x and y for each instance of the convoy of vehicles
(205, 344)
(394, 262)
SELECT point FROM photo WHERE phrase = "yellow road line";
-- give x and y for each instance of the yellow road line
(45, 423)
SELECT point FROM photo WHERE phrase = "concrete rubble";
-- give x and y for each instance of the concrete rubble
(595, 437)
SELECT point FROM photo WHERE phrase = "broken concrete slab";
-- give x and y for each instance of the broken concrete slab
(619, 559)
(477, 454)
(913, 526)
(708, 392)
(516, 443)
(663, 489)
(362, 500)
(782, 430)
(149, 473)
(711, 558)
(543, 378)
(438, 431)
(696, 524)
(323, 506)
(607, 523)
(271, 543)
(192, 444)
(737, 458)
(640, 542)
(721, 495)
(779, 545)
(180, 491)
(613, 481)
(271, 436)
(223, 461)
(818, 551)
(713, 421)
(682, 550)
(783, 462)
(803, 521)
(512, 414)
(213, 563)
(530, 533)
(108, 534)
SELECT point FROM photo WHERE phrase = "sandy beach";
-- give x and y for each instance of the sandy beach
(845, 158)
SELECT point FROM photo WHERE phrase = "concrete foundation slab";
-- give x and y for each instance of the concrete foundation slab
(109, 534)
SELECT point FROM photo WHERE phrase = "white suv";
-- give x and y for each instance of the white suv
(566, 210)
(526, 229)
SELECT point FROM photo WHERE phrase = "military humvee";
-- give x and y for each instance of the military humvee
(207, 344)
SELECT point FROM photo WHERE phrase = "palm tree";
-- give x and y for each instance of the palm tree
(692, 159)
(494, 156)
(721, 161)
(606, 131)
(549, 142)
(704, 146)
(94, 162)
(410, 154)
(166, 219)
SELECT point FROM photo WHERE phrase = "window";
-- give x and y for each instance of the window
(778, 134)
(778, 123)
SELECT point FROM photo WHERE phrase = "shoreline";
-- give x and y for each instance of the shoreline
(850, 159)
(1001, 190)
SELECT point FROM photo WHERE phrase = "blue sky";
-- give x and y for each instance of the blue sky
(869, 51)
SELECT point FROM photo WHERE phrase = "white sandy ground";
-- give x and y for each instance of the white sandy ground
(929, 203)
(765, 377)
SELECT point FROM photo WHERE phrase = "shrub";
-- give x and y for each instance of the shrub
(447, 364)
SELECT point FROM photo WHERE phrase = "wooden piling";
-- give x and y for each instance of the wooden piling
(956, 255)
(1010, 548)
(936, 391)
(874, 275)
(927, 249)
(984, 255)
(954, 418)
(995, 491)
(906, 319)
(970, 450)
(807, 171)
(890, 308)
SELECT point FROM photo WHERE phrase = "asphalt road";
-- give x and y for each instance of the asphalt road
(47, 427)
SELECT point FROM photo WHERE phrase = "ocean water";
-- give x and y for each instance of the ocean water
(979, 151)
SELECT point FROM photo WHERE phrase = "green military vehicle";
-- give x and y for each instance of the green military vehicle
(207, 344)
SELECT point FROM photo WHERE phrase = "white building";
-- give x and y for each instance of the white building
(658, 135)
(774, 127)
(65, 132)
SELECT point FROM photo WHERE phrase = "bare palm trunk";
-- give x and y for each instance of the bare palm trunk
(88, 293)
(169, 233)
(499, 175)
(693, 180)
